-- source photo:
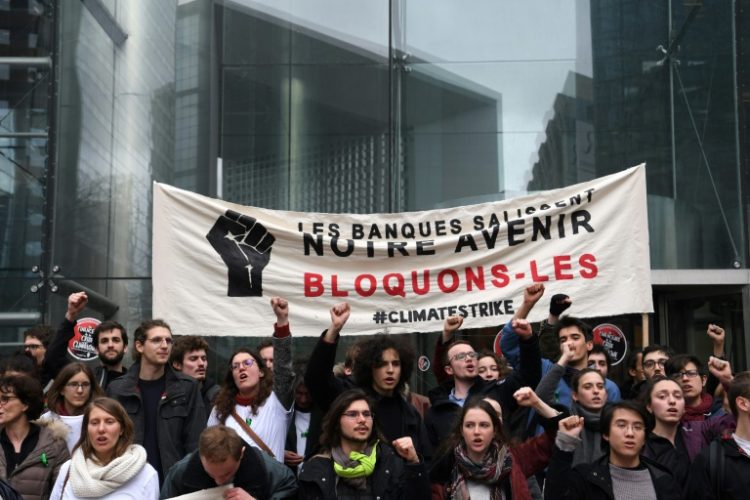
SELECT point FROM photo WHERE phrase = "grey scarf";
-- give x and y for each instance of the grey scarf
(590, 448)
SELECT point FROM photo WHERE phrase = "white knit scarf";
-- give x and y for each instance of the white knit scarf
(90, 480)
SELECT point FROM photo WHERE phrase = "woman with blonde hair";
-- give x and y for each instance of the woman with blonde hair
(105, 462)
(73, 388)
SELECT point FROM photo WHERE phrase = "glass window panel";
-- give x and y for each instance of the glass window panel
(316, 110)
(530, 115)
(708, 205)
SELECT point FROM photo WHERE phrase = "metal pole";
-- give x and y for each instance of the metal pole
(27, 61)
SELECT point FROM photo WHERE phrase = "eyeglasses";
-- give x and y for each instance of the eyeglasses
(32, 347)
(160, 340)
(5, 399)
(247, 364)
(635, 426)
(367, 414)
(686, 373)
(653, 362)
(463, 355)
(78, 385)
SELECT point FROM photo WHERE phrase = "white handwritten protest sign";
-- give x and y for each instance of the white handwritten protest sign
(217, 264)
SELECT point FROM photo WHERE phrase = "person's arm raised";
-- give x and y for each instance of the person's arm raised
(319, 378)
(450, 327)
(339, 316)
(55, 357)
(283, 375)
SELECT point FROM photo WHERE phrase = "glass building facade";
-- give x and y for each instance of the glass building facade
(368, 106)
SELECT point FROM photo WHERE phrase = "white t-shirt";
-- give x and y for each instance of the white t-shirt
(742, 443)
(478, 491)
(73, 423)
(301, 427)
(270, 423)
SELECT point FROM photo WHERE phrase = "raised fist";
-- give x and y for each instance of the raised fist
(716, 333)
(526, 397)
(244, 245)
(339, 315)
(405, 448)
(533, 293)
(76, 303)
(280, 309)
(721, 369)
(572, 426)
(559, 303)
(522, 328)
(451, 325)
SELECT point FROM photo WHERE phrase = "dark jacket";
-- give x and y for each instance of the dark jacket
(442, 415)
(593, 481)
(324, 387)
(259, 475)
(735, 480)
(674, 458)
(392, 479)
(181, 416)
(209, 390)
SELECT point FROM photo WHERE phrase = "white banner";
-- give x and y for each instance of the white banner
(217, 264)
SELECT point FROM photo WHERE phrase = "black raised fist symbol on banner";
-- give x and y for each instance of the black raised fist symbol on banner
(244, 245)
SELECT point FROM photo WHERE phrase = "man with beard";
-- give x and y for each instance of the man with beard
(354, 463)
(110, 339)
(189, 356)
(382, 367)
(111, 342)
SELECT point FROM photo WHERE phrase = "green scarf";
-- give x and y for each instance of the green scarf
(365, 464)
(355, 469)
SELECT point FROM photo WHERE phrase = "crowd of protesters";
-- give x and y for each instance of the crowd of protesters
(543, 420)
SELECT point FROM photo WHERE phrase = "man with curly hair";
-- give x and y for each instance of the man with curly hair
(382, 367)
(190, 356)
